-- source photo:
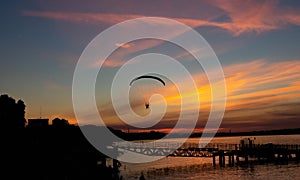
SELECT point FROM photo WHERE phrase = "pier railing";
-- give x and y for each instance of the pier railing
(176, 145)
(169, 147)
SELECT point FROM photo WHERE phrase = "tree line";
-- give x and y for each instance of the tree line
(12, 112)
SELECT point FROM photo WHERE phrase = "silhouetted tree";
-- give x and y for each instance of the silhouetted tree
(60, 122)
(12, 114)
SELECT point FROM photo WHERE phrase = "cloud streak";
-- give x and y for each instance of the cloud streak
(238, 16)
(89, 18)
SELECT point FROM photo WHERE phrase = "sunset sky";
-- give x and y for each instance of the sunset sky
(256, 42)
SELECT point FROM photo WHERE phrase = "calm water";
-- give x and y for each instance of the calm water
(202, 168)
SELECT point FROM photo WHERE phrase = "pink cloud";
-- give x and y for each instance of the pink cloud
(242, 16)
(122, 45)
(108, 63)
(256, 16)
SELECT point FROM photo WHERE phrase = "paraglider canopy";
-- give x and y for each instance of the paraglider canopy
(147, 76)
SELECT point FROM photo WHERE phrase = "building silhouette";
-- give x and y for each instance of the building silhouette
(38, 123)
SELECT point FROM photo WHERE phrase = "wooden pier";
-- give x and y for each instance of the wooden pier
(243, 153)
(261, 153)
(231, 154)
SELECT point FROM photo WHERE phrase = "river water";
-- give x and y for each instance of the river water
(177, 168)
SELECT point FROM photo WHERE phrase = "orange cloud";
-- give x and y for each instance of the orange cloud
(261, 80)
(108, 63)
(259, 93)
(256, 82)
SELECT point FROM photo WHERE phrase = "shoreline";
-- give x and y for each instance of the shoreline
(154, 135)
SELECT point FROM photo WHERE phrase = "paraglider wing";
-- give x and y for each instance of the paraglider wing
(146, 77)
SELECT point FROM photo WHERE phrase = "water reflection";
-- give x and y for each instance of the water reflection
(202, 168)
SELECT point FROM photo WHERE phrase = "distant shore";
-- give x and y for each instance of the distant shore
(157, 135)
(255, 133)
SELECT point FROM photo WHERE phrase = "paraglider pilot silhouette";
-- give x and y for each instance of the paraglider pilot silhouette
(152, 77)
(147, 105)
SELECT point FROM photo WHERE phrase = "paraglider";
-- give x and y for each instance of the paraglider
(147, 91)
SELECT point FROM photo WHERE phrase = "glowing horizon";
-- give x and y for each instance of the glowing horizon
(257, 43)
